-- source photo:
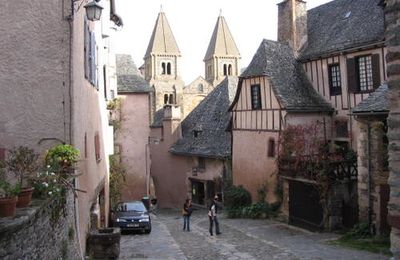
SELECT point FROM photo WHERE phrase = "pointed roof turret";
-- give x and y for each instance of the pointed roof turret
(162, 40)
(221, 43)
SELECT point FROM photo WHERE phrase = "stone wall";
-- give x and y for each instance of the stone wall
(370, 201)
(392, 34)
(34, 234)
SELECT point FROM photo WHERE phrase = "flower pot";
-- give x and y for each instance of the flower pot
(25, 197)
(8, 207)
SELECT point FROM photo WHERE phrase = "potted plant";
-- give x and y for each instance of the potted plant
(8, 196)
(22, 162)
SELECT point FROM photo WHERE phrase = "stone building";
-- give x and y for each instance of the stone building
(340, 46)
(206, 144)
(167, 169)
(56, 70)
(131, 138)
(392, 18)
(273, 93)
(373, 167)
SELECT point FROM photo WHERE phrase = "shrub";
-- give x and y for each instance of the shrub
(237, 197)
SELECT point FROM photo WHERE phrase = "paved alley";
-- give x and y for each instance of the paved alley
(240, 239)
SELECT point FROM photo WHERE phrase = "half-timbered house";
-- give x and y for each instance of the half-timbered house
(273, 92)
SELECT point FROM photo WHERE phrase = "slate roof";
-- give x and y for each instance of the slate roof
(377, 101)
(162, 39)
(210, 119)
(343, 24)
(221, 43)
(129, 79)
(287, 77)
(158, 117)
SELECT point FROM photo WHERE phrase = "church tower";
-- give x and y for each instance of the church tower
(222, 57)
(161, 65)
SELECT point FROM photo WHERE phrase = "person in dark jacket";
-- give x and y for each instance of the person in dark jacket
(212, 216)
(186, 212)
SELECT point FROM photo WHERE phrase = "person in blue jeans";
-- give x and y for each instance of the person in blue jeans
(186, 212)
(212, 215)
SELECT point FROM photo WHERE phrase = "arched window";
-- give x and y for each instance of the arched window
(169, 68)
(171, 99)
(200, 87)
(230, 69)
(225, 70)
(165, 99)
(163, 68)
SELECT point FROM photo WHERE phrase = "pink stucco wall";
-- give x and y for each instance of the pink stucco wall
(168, 171)
(251, 166)
(133, 141)
(45, 98)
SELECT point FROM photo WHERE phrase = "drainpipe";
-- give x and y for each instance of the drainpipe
(369, 175)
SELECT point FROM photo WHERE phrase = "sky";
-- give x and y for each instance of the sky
(192, 23)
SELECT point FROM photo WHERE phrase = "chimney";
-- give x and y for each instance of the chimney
(292, 23)
(172, 123)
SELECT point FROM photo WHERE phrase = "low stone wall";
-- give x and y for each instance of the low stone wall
(35, 234)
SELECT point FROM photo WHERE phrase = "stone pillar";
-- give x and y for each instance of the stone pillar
(392, 34)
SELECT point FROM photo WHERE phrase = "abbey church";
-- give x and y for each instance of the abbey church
(169, 102)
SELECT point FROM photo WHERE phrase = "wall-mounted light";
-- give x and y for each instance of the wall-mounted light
(93, 10)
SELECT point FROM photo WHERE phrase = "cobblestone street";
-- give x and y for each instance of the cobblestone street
(240, 239)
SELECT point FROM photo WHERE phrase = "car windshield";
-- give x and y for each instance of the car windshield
(131, 206)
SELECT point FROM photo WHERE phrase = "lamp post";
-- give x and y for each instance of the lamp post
(93, 10)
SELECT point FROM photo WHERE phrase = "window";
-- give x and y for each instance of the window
(230, 69)
(271, 147)
(341, 129)
(163, 68)
(225, 70)
(90, 55)
(169, 68)
(200, 87)
(255, 97)
(201, 163)
(85, 145)
(335, 83)
(97, 147)
(171, 99)
(363, 73)
(166, 68)
(165, 99)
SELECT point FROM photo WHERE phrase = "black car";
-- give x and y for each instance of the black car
(132, 215)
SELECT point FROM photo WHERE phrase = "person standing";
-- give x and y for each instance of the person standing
(212, 216)
(186, 212)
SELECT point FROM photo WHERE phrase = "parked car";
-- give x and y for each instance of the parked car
(132, 215)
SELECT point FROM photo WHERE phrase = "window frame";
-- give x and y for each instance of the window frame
(335, 77)
(255, 94)
(368, 71)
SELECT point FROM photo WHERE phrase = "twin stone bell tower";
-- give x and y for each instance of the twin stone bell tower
(161, 62)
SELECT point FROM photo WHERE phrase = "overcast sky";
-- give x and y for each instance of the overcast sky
(192, 23)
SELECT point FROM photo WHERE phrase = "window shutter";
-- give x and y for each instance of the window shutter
(352, 76)
(93, 59)
(376, 75)
(86, 48)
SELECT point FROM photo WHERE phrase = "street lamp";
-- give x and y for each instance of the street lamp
(93, 10)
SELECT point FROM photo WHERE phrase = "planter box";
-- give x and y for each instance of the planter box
(104, 243)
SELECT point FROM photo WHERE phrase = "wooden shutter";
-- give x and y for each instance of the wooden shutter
(97, 147)
(92, 58)
(376, 74)
(86, 48)
(352, 76)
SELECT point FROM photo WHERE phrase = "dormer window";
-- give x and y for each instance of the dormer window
(200, 87)
(196, 133)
